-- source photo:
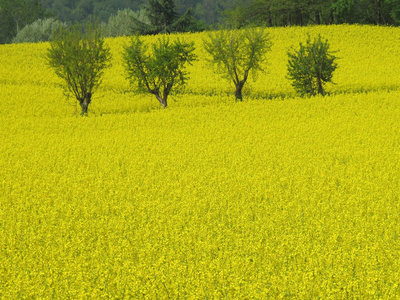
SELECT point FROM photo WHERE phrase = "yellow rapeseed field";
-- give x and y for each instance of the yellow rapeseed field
(277, 197)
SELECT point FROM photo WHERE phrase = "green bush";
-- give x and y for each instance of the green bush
(38, 31)
(122, 23)
(311, 66)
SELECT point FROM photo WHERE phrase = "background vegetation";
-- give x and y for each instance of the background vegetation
(16, 14)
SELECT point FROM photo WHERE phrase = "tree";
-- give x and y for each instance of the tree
(38, 31)
(237, 52)
(162, 18)
(121, 24)
(161, 14)
(16, 14)
(83, 10)
(158, 71)
(304, 12)
(311, 66)
(394, 11)
(79, 57)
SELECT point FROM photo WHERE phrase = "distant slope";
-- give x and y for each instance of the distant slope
(276, 197)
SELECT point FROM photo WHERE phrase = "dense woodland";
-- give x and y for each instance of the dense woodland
(16, 14)
(78, 10)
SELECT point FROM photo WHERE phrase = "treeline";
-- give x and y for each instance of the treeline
(207, 11)
(305, 12)
(196, 15)
(16, 14)
(264, 12)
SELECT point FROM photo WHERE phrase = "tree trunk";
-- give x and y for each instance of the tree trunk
(331, 17)
(378, 12)
(299, 20)
(269, 17)
(238, 92)
(162, 101)
(85, 103)
(317, 17)
(320, 88)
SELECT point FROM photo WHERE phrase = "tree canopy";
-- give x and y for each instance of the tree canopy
(79, 10)
(16, 14)
(162, 17)
(237, 53)
(160, 70)
(304, 12)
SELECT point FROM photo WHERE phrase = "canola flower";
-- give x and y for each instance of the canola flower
(209, 199)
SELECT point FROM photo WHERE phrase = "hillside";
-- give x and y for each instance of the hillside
(275, 197)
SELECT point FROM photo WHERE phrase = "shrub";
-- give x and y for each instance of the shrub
(38, 31)
(122, 24)
(311, 66)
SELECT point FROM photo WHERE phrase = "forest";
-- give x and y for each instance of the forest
(16, 14)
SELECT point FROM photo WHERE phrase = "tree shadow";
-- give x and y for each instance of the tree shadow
(365, 90)
(280, 96)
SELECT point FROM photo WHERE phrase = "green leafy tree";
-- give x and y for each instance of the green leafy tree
(38, 31)
(159, 70)
(304, 12)
(236, 53)
(122, 23)
(84, 10)
(161, 13)
(392, 8)
(15, 15)
(162, 18)
(311, 66)
(79, 57)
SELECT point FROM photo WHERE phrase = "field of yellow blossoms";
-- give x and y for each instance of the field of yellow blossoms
(277, 197)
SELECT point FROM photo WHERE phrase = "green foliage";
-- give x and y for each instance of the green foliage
(161, 13)
(394, 10)
(162, 18)
(187, 23)
(311, 66)
(16, 14)
(38, 31)
(160, 70)
(79, 56)
(123, 22)
(84, 10)
(236, 53)
(301, 12)
(207, 11)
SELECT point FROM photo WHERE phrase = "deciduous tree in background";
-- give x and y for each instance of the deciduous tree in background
(311, 66)
(79, 57)
(16, 14)
(236, 53)
(163, 18)
(160, 70)
(38, 31)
